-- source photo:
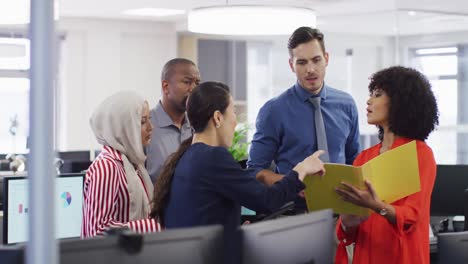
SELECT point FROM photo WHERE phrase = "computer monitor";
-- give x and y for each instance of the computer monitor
(96, 250)
(453, 247)
(75, 166)
(12, 254)
(1, 191)
(69, 203)
(4, 174)
(448, 193)
(307, 238)
(196, 245)
(74, 155)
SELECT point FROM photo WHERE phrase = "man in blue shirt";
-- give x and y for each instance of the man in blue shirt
(286, 126)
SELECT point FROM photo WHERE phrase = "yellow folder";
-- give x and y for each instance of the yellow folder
(393, 174)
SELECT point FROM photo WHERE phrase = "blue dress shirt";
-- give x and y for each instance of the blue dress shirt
(286, 130)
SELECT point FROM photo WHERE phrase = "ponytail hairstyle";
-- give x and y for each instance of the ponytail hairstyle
(162, 185)
(203, 102)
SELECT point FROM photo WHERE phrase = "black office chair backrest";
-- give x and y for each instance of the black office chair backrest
(453, 247)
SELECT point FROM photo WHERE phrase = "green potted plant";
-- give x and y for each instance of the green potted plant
(239, 147)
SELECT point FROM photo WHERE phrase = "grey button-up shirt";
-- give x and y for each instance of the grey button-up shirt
(165, 140)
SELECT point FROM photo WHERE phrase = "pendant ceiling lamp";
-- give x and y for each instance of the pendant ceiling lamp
(249, 20)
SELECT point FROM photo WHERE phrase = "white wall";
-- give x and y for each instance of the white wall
(370, 54)
(101, 57)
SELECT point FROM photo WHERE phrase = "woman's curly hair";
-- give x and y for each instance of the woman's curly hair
(413, 109)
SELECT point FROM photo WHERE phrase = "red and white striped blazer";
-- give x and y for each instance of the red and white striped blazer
(106, 199)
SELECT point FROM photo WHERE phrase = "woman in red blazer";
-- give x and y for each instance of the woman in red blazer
(403, 107)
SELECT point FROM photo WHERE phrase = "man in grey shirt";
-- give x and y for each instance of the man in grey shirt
(179, 76)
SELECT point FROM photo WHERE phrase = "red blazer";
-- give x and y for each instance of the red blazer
(378, 241)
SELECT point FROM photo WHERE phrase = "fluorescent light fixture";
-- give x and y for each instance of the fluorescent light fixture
(16, 12)
(411, 13)
(429, 51)
(153, 12)
(249, 20)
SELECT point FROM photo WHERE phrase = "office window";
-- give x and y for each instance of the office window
(259, 80)
(441, 66)
(14, 95)
(438, 66)
(14, 54)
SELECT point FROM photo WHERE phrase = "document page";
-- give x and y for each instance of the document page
(393, 174)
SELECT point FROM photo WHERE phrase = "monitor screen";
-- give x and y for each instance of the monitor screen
(198, 245)
(3, 175)
(307, 238)
(68, 201)
(247, 211)
(452, 247)
(449, 187)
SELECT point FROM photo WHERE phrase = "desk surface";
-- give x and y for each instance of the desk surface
(11, 173)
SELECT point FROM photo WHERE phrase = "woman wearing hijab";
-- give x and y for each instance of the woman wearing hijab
(117, 188)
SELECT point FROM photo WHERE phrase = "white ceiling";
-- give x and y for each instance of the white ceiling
(376, 17)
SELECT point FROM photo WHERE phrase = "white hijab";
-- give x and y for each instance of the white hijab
(116, 122)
